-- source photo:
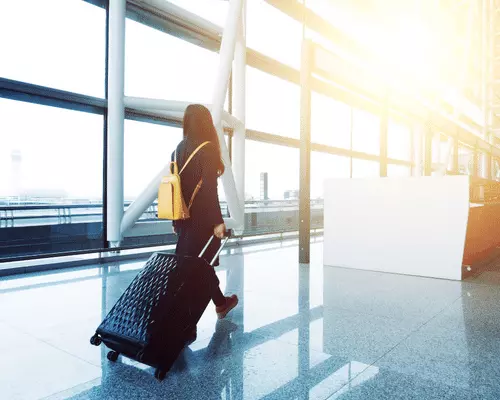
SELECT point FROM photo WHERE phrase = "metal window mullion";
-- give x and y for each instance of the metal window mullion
(384, 124)
(35, 94)
(305, 154)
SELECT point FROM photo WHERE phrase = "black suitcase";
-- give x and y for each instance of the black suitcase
(159, 310)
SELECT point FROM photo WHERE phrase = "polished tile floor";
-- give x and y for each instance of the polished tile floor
(299, 333)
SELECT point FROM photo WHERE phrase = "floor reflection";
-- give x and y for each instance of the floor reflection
(299, 332)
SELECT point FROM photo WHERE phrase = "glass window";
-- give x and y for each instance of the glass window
(330, 121)
(148, 148)
(214, 11)
(465, 160)
(273, 33)
(324, 166)
(365, 168)
(442, 152)
(58, 43)
(482, 161)
(398, 141)
(318, 38)
(495, 172)
(438, 148)
(452, 150)
(365, 132)
(281, 164)
(52, 169)
(273, 105)
(165, 67)
(398, 170)
(339, 13)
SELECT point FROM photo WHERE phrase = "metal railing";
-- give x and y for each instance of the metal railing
(15, 213)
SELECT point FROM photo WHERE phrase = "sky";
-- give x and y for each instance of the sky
(60, 44)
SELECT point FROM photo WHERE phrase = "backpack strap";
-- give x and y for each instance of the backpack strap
(191, 156)
(198, 186)
(195, 192)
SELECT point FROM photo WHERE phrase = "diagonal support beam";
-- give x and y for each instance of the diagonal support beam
(233, 33)
(150, 193)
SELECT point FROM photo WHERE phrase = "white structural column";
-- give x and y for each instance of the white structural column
(417, 150)
(116, 111)
(239, 107)
(226, 58)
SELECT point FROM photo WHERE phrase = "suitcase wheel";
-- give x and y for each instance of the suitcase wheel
(160, 374)
(113, 356)
(95, 340)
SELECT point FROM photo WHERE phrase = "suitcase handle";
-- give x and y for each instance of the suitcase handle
(224, 241)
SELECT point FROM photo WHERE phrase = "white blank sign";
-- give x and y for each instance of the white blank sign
(412, 226)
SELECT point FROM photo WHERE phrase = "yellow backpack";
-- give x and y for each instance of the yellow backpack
(171, 204)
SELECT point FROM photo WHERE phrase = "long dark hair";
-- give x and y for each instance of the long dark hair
(198, 127)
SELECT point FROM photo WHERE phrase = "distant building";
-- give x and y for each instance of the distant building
(264, 194)
(291, 194)
(49, 193)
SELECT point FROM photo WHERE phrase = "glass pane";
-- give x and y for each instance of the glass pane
(58, 43)
(339, 14)
(280, 212)
(324, 166)
(443, 152)
(465, 160)
(330, 122)
(482, 160)
(398, 141)
(148, 148)
(365, 132)
(165, 67)
(365, 168)
(321, 40)
(273, 105)
(398, 170)
(51, 182)
(273, 33)
(280, 163)
(495, 172)
(212, 10)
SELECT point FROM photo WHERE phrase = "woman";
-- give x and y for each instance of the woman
(205, 214)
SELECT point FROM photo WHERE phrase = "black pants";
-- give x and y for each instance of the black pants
(191, 240)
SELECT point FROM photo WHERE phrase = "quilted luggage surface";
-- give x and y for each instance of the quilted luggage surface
(155, 314)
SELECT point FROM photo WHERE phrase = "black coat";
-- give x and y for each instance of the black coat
(205, 212)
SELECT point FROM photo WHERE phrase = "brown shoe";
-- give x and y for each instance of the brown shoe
(231, 302)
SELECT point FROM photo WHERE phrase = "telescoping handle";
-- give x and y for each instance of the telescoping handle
(224, 241)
